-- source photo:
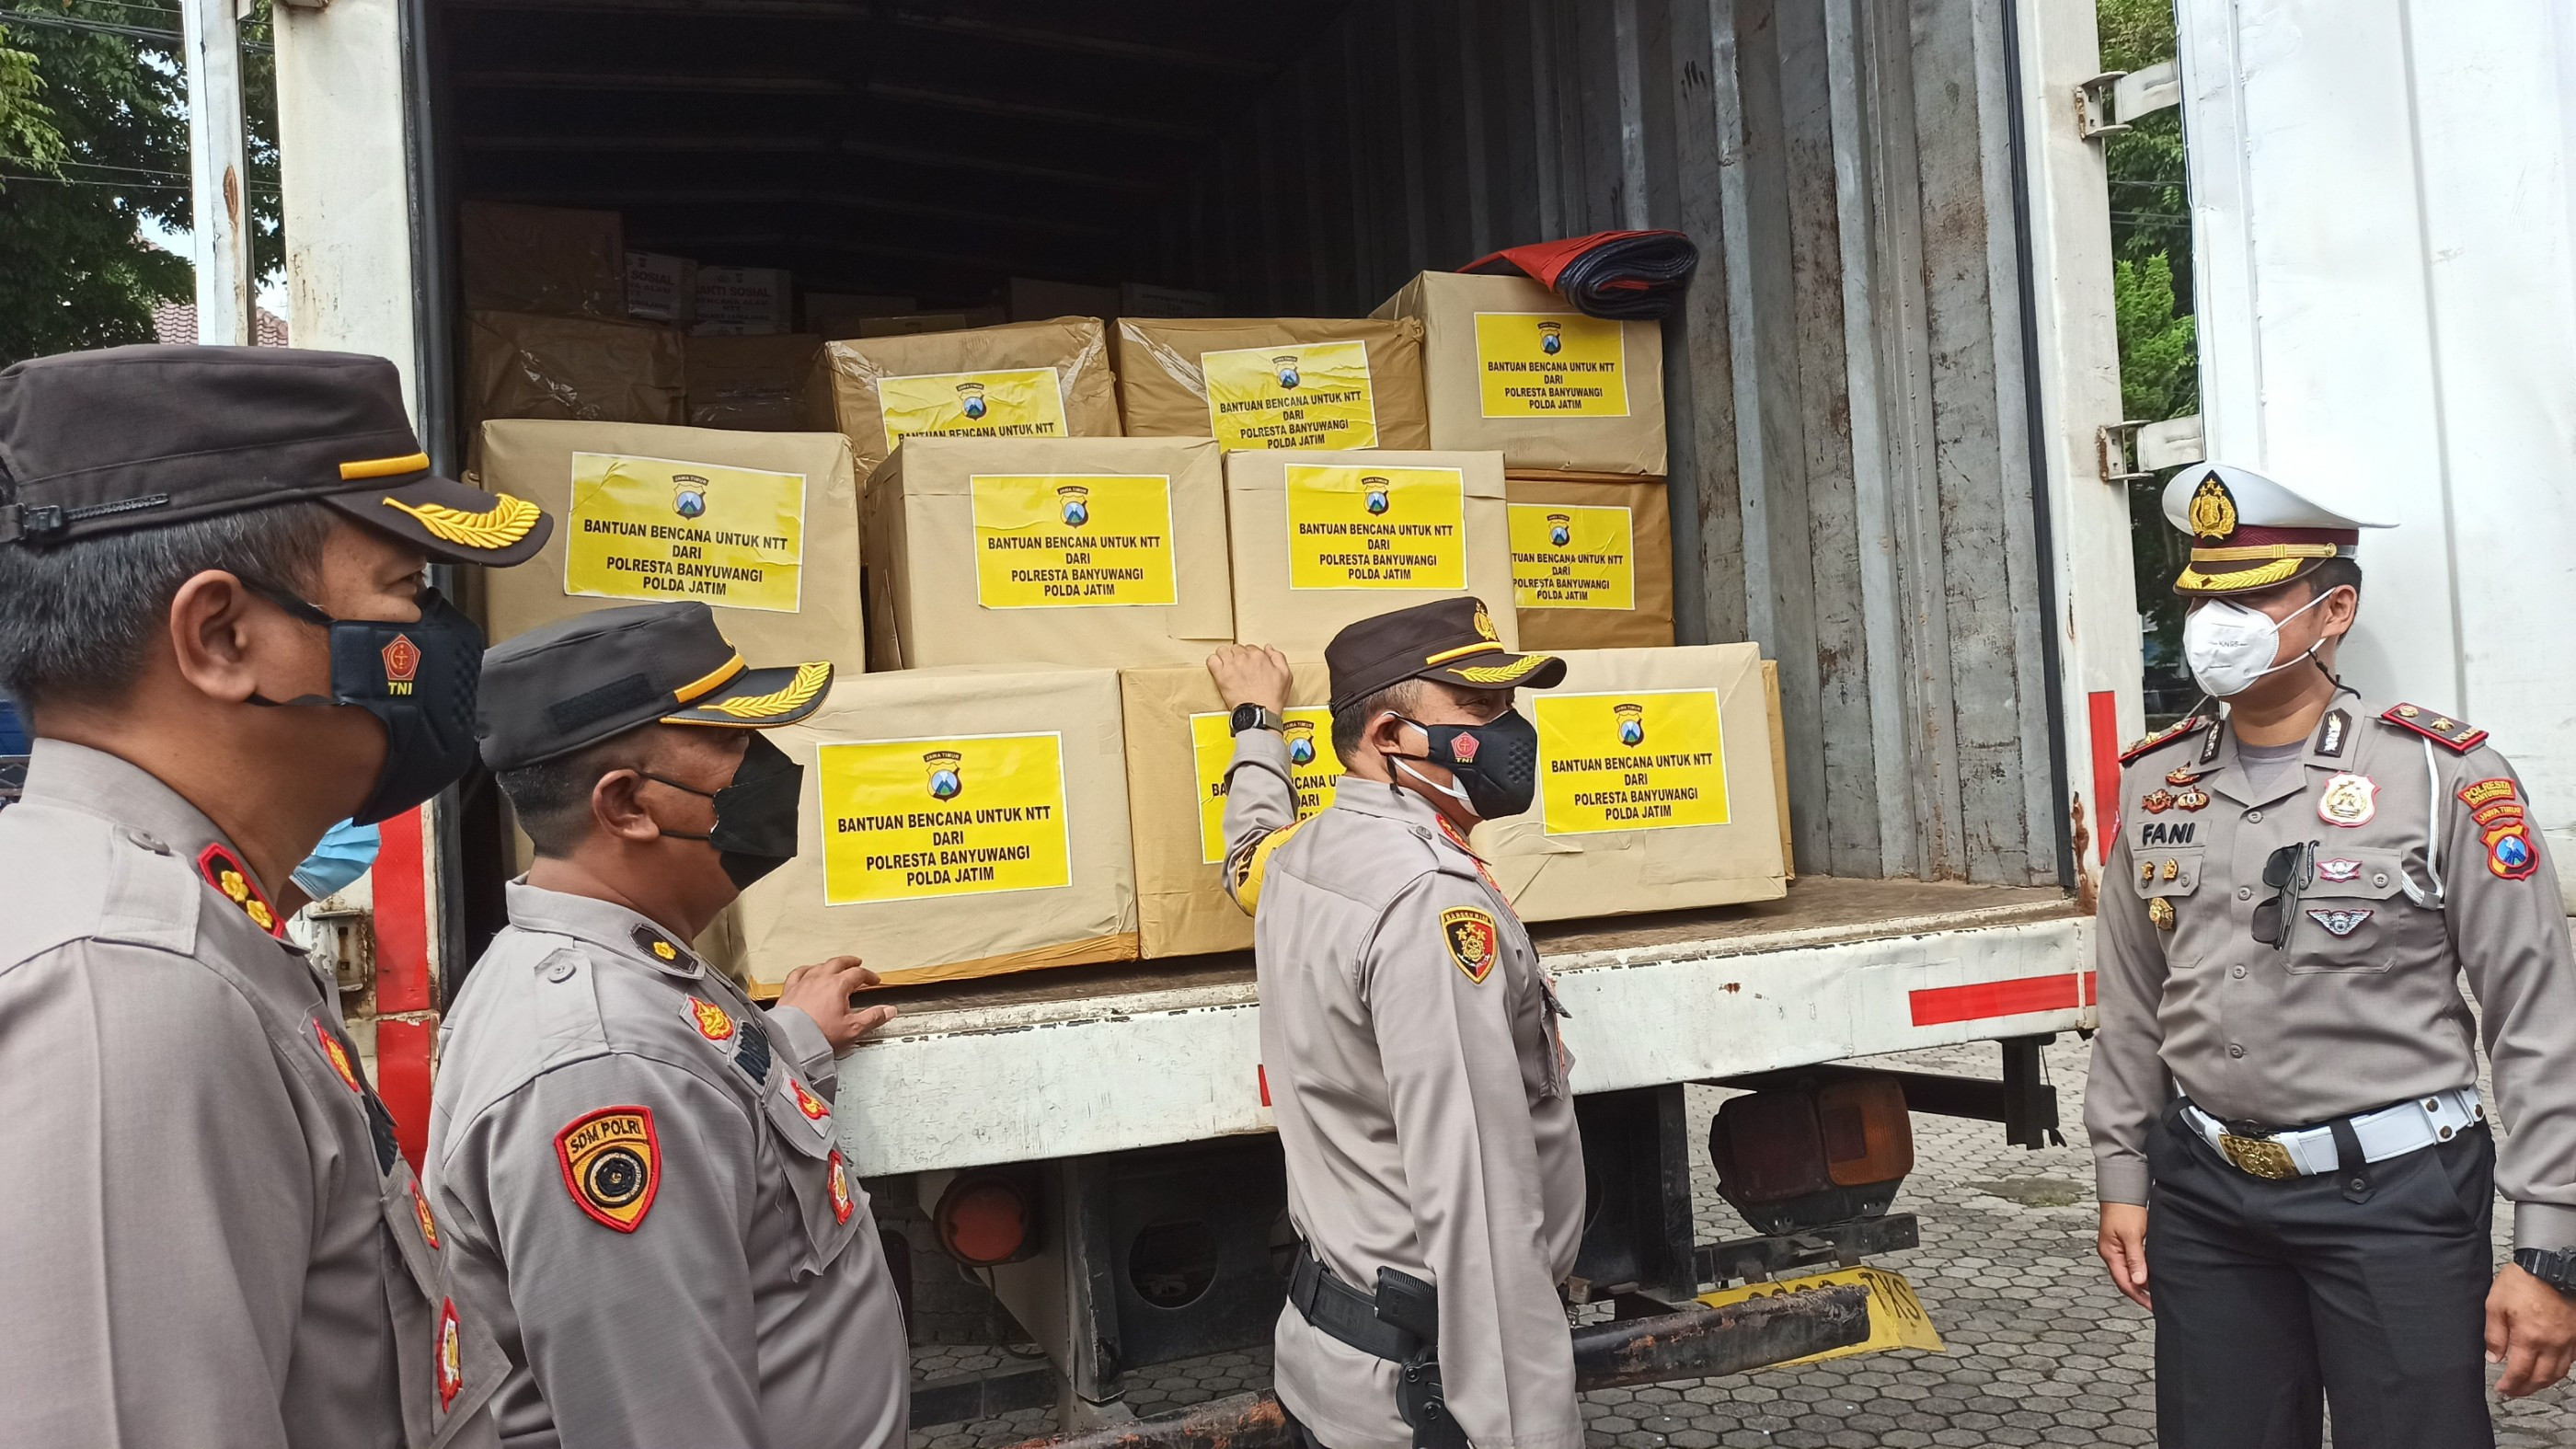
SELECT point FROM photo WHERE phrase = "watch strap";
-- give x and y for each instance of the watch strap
(2553, 1266)
(1262, 718)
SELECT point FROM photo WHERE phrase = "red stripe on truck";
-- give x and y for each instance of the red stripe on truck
(402, 917)
(1942, 1005)
(2104, 709)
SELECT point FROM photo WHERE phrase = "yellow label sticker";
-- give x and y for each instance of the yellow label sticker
(910, 820)
(1028, 403)
(1351, 526)
(1648, 760)
(1301, 395)
(1551, 365)
(661, 528)
(1896, 1316)
(1573, 556)
(1313, 768)
(1061, 540)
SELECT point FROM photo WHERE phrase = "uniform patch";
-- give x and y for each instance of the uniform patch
(753, 1055)
(2486, 815)
(2161, 911)
(2441, 729)
(2339, 869)
(2510, 854)
(814, 1108)
(2349, 800)
(225, 872)
(2488, 792)
(712, 1021)
(2164, 736)
(2181, 775)
(2339, 923)
(2192, 800)
(2156, 802)
(338, 1056)
(658, 946)
(611, 1160)
(1474, 941)
(451, 1355)
(839, 1178)
(2330, 734)
(428, 1219)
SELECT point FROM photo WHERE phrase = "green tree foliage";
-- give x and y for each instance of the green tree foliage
(26, 122)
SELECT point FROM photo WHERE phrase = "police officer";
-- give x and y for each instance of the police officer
(638, 1166)
(210, 598)
(2295, 1171)
(1410, 1046)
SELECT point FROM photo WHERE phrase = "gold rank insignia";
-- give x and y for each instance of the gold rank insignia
(712, 1021)
(839, 1180)
(610, 1160)
(451, 1355)
(230, 878)
(2161, 911)
(1474, 941)
(338, 1056)
(428, 1220)
(652, 943)
(814, 1108)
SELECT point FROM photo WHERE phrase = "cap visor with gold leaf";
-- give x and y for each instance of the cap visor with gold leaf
(445, 519)
(757, 699)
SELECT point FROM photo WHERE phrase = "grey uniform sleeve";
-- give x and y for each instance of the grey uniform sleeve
(808, 1047)
(1259, 798)
(158, 1201)
(2128, 1083)
(2511, 936)
(1462, 1127)
(641, 1337)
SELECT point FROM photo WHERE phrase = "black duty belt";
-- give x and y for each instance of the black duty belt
(1400, 1322)
(1345, 1313)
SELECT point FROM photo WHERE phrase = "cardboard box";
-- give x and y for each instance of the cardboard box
(524, 365)
(1079, 551)
(661, 289)
(1656, 788)
(1178, 746)
(651, 513)
(1024, 380)
(826, 313)
(1144, 299)
(1510, 365)
(1274, 382)
(767, 384)
(1592, 560)
(1032, 300)
(543, 259)
(1305, 524)
(955, 823)
(744, 301)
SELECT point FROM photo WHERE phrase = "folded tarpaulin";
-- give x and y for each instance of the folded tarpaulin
(1626, 275)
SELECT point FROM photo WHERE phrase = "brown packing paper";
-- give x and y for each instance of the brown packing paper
(1707, 809)
(974, 383)
(542, 259)
(521, 365)
(817, 577)
(1502, 387)
(1270, 606)
(837, 314)
(1177, 750)
(763, 384)
(969, 562)
(1357, 383)
(1038, 778)
(1609, 583)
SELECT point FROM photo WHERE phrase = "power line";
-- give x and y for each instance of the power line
(171, 38)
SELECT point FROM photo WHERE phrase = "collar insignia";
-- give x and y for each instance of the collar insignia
(2330, 734)
(658, 946)
(224, 871)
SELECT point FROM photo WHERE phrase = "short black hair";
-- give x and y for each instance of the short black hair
(2335, 573)
(552, 797)
(1352, 720)
(77, 618)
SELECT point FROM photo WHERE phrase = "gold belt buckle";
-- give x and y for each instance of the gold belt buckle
(2260, 1156)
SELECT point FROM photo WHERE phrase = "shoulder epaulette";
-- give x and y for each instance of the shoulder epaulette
(2170, 733)
(2441, 729)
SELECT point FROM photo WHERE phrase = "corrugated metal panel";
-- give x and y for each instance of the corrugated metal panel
(1852, 479)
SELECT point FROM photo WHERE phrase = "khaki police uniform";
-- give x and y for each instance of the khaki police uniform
(1409, 1040)
(208, 1235)
(2283, 1262)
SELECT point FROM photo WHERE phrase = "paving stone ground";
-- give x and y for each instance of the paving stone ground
(2041, 1350)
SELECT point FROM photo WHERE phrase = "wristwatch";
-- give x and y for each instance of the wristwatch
(2555, 1267)
(1254, 717)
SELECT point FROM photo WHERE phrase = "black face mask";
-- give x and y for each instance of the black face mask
(1496, 763)
(419, 680)
(755, 815)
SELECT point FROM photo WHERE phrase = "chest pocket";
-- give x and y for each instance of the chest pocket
(2355, 917)
(827, 1194)
(2171, 875)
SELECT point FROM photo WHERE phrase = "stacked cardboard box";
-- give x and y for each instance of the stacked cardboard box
(836, 314)
(1592, 560)
(743, 301)
(770, 384)
(1509, 365)
(661, 288)
(1326, 538)
(528, 365)
(542, 259)
(1025, 380)
(1274, 382)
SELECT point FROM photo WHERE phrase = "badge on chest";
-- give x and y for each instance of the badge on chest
(2349, 800)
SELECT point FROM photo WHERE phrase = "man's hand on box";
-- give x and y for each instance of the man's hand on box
(822, 991)
(1251, 674)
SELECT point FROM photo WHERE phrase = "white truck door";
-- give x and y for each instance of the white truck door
(2382, 213)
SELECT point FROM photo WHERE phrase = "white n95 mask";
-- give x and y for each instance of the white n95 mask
(2229, 646)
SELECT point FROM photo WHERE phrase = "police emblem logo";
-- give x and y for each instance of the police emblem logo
(1485, 625)
(1474, 941)
(688, 495)
(2349, 800)
(231, 879)
(814, 1108)
(2339, 869)
(2160, 911)
(428, 1220)
(610, 1160)
(1551, 337)
(451, 1355)
(1285, 365)
(1632, 723)
(1374, 494)
(970, 400)
(1073, 504)
(712, 1021)
(342, 1066)
(946, 781)
(2213, 509)
(1560, 529)
(837, 1177)
(2339, 923)
(1300, 734)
